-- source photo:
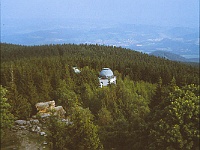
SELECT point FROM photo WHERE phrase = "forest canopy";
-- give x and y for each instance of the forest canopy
(154, 105)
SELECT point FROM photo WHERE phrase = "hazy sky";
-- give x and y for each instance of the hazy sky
(156, 12)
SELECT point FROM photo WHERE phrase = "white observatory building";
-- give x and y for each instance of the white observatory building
(106, 77)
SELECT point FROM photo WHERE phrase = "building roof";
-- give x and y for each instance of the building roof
(106, 72)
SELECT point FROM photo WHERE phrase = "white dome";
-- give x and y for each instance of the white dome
(106, 72)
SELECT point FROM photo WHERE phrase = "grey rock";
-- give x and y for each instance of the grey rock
(45, 143)
(42, 133)
(22, 127)
(28, 123)
(34, 121)
(44, 115)
(20, 122)
(35, 128)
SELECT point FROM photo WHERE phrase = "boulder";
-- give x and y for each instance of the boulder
(34, 121)
(44, 115)
(20, 122)
(22, 127)
(59, 111)
(36, 128)
(42, 133)
(45, 143)
(45, 106)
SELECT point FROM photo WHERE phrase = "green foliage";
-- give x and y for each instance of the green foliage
(83, 133)
(104, 117)
(116, 136)
(20, 106)
(175, 124)
(7, 118)
(66, 96)
(56, 138)
(153, 105)
(79, 134)
(134, 64)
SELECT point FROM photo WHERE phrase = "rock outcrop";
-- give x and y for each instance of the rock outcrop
(37, 125)
(45, 109)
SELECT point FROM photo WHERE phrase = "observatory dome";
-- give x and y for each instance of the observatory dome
(106, 73)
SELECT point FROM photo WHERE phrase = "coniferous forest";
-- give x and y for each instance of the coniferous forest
(154, 105)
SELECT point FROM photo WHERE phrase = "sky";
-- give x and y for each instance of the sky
(150, 12)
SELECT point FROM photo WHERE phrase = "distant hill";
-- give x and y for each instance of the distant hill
(138, 66)
(173, 57)
(193, 59)
(144, 38)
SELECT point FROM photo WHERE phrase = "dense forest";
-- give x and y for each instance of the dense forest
(154, 105)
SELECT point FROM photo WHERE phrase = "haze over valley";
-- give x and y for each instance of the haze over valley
(99, 75)
(145, 38)
(145, 26)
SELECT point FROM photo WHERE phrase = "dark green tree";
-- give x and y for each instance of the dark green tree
(78, 134)
(175, 124)
(58, 136)
(83, 133)
(20, 106)
(6, 118)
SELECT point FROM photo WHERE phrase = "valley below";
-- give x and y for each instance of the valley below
(183, 41)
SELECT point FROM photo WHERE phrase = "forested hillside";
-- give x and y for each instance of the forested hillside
(154, 104)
